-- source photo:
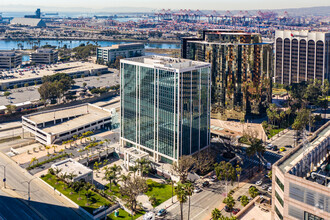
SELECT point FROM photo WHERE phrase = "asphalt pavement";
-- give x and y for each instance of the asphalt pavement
(47, 205)
(30, 93)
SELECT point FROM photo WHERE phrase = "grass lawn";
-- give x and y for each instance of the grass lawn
(273, 132)
(277, 91)
(162, 192)
(95, 200)
(115, 191)
(124, 215)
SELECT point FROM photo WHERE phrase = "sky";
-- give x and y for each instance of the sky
(97, 5)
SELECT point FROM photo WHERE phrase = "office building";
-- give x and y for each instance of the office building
(241, 71)
(44, 56)
(54, 126)
(10, 59)
(301, 180)
(110, 54)
(165, 105)
(301, 56)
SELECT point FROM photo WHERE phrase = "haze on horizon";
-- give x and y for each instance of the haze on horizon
(98, 5)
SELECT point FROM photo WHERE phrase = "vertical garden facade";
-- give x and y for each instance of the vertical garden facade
(242, 68)
(165, 105)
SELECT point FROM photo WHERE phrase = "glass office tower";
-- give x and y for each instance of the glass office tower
(165, 105)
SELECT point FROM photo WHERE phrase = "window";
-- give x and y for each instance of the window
(279, 198)
(309, 216)
(279, 183)
(278, 213)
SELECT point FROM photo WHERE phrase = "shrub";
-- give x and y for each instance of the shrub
(244, 200)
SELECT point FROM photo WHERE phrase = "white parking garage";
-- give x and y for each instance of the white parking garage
(53, 126)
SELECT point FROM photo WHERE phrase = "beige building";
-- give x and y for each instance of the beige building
(10, 59)
(44, 56)
(301, 180)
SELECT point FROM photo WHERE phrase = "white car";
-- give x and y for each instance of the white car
(270, 189)
(197, 190)
(269, 146)
(258, 183)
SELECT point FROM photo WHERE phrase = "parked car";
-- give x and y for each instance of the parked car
(197, 190)
(206, 183)
(275, 148)
(269, 146)
(239, 198)
(162, 212)
(288, 146)
(227, 209)
(269, 189)
(264, 187)
(214, 178)
(235, 211)
(258, 183)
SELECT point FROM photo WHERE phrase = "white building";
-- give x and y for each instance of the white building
(57, 125)
(70, 166)
(301, 56)
(10, 59)
(109, 54)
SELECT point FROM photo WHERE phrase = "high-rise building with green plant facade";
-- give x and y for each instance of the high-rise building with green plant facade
(242, 67)
(165, 106)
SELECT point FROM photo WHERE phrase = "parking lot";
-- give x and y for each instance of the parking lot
(31, 93)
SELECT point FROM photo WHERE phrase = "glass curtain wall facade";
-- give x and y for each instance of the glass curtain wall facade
(165, 112)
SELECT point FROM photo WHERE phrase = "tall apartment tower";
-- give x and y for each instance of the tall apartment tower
(241, 71)
(165, 105)
(301, 56)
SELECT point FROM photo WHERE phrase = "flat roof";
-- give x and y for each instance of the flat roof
(295, 157)
(117, 46)
(84, 114)
(166, 62)
(71, 166)
(43, 70)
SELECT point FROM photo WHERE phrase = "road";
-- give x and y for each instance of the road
(42, 200)
(284, 139)
(202, 203)
(13, 208)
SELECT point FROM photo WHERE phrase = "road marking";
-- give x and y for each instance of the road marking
(201, 212)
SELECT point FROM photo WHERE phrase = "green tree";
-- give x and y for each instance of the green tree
(256, 148)
(225, 171)
(238, 173)
(229, 201)
(6, 94)
(244, 200)
(10, 108)
(26, 85)
(181, 195)
(253, 191)
(216, 214)
(189, 191)
(34, 159)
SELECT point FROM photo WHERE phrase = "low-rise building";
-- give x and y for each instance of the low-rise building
(301, 180)
(44, 56)
(10, 59)
(79, 171)
(57, 125)
(30, 22)
(109, 54)
(34, 75)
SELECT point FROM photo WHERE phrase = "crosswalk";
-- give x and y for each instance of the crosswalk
(273, 154)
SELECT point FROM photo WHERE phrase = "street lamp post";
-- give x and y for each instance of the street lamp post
(172, 189)
(29, 189)
(4, 175)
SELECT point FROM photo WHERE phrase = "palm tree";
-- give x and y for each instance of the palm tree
(225, 171)
(216, 214)
(47, 148)
(229, 201)
(111, 174)
(57, 170)
(54, 146)
(34, 159)
(71, 176)
(181, 195)
(189, 190)
(134, 170)
(238, 172)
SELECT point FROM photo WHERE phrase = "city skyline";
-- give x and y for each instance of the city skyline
(99, 5)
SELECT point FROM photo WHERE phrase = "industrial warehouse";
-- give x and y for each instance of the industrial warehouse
(54, 126)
